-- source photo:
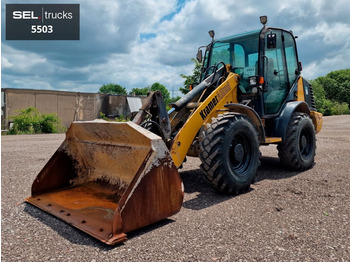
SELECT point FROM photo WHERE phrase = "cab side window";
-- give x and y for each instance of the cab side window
(275, 74)
(291, 58)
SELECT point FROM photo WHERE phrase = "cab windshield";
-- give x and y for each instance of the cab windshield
(240, 51)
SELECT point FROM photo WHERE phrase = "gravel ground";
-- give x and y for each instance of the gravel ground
(287, 216)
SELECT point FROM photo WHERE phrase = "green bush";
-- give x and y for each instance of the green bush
(324, 106)
(340, 109)
(121, 118)
(103, 116)
(31, 121)
(324, 103)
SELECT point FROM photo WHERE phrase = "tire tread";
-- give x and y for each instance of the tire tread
(212, 153)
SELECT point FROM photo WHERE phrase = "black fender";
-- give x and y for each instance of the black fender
(281, 122)
(252, 115)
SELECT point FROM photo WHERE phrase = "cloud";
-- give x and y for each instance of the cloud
(136, 43)
(331, 33)
(22, 62)
(5, 63)
(28, 82)
(322, 67)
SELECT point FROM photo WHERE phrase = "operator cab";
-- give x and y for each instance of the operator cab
(266, 61)
(241, 52)
(280, 67)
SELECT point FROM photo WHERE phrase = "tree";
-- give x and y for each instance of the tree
(163, 90)
(191, 79)
(139, 91)
(323, 105)
(332, 92)
(113, 89)
(337, 85)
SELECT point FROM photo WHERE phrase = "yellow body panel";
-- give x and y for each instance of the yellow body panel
(317, 120)
(224, 94)
(300, 91)
(270, 140)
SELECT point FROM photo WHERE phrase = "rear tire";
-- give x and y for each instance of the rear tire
(298, 150)
(230, 153)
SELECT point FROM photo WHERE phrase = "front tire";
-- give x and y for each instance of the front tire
(230, 153)
(298, 150)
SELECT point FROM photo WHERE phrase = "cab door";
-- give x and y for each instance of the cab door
(280, 68)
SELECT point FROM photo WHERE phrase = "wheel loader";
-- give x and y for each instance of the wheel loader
(109, 178)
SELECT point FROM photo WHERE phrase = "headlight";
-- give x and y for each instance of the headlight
(253, 80)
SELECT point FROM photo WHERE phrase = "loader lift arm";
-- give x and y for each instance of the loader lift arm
(224, 86)
(222, 95)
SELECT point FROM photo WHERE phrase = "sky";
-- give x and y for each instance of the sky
(135, 43)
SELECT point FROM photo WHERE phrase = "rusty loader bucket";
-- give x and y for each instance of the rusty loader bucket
(108, 179)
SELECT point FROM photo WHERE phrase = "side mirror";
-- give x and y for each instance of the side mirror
(199, 56)
(300, 66)
(271, 40)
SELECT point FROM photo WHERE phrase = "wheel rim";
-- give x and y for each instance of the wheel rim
(240, 153)
(305, 143)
